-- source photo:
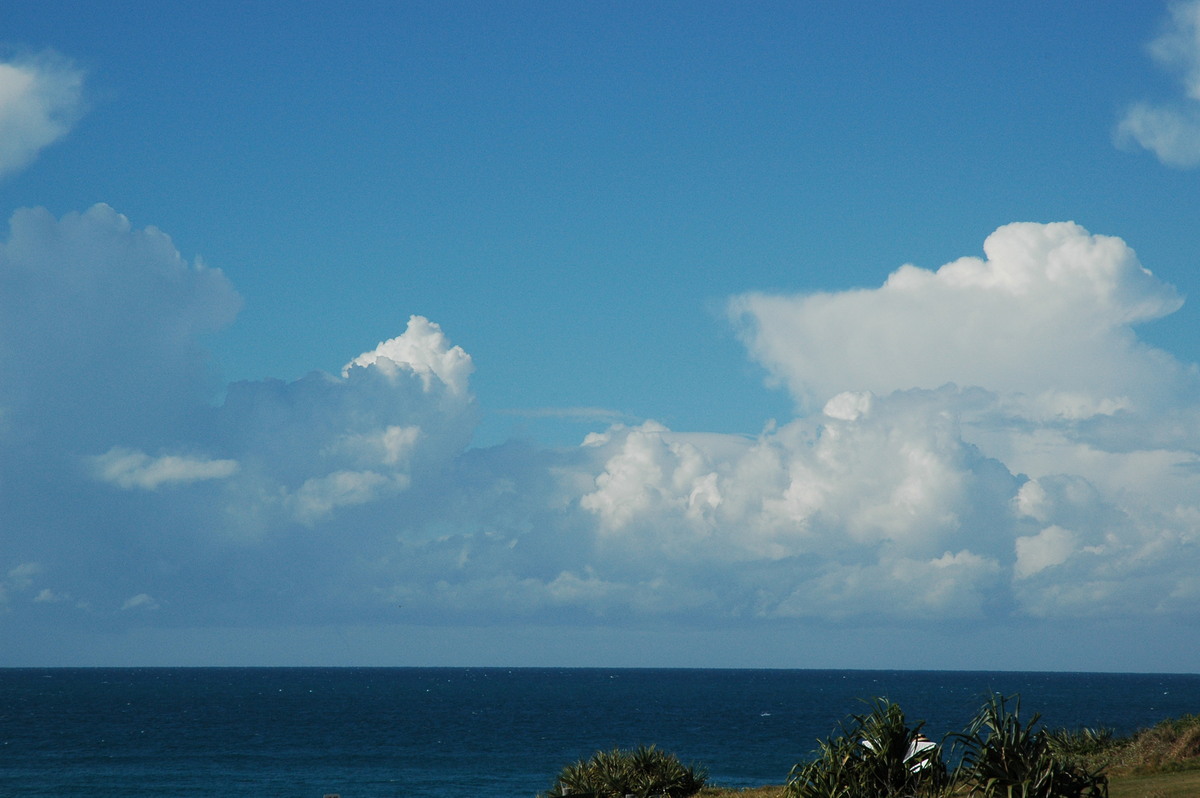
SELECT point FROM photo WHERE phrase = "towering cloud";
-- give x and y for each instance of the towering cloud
(99, 327)
(1084, 429)
(321, 443)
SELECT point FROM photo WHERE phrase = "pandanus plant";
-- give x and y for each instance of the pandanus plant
(645, 772)
(877, 755)
(1005, 757)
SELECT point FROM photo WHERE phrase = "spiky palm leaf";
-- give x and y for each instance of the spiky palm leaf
(878, 755)
(1005, 757)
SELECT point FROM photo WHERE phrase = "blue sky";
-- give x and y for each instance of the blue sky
(631, 334)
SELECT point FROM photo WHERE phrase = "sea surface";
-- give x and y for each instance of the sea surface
(502, 733)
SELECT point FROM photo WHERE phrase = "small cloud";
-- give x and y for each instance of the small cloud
(1172, 131)
(142, 601)
(848, 405)
(48, 596)
(127, 469)
(391, 446)
(17, 579)
(423, 349)
(21, 577)
(1050, 547)
(318, 497)
(40, 99)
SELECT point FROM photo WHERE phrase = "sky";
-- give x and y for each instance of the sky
(787, 335)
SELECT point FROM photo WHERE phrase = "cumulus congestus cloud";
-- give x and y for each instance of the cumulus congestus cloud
(99, 332)
(989, 440)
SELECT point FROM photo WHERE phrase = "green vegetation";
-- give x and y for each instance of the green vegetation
(876, 755)
(1004, 757)
(879, 755)
(1172, 745)
(643, 772)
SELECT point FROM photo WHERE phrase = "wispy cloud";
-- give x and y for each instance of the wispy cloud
(581, 414)
(131, 469)
(41, 97)
(141, 601)
(1172, 130)
(20, 578)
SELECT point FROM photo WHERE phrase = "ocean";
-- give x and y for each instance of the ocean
(426, 732)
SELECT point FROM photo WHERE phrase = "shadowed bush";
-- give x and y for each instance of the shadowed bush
(644, 772)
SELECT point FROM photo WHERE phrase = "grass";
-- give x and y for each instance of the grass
(1178, 784)
(770, 791)
(1173, 744)
(1160, 762)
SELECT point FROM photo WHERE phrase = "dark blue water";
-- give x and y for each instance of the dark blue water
(369, 733)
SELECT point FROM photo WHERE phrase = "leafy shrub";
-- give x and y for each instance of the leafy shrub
(645, 772)
(1004, 757)
(878, 755)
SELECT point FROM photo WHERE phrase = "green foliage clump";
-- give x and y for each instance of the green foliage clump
(645, 772)
(1004, 757)
(878, 755)
(1089, 749)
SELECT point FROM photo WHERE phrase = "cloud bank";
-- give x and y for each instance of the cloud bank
(1172, 130)
(987, 443)
(40, 99)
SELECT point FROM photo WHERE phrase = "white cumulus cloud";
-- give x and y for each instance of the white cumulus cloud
(40, 99)
(1086, 430)
(989, 441)
(424, 350)
(886, 511)
(1035, 553)
(1045, 317)
(1172, 131)
(321, 443)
